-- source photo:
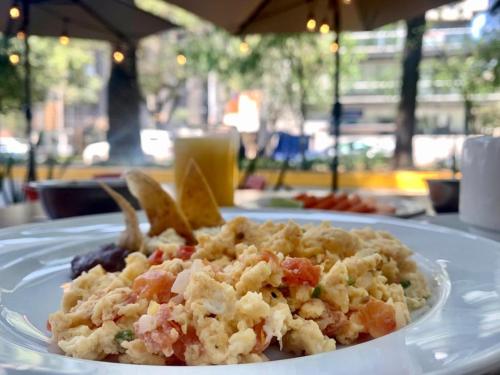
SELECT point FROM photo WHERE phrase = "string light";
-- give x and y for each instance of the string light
(14, 58)
(21, 35)
(311, 22)
(334, 47)
(64, 39)
(244, 47)
(181, 59)
(118, 56)
(14, 12)
(324, 28)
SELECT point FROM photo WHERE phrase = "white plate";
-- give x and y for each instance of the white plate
(405, 207)
(459, 332)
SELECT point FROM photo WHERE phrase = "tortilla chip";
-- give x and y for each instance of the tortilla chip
(161, 209)
(131, 238)
(197, 200)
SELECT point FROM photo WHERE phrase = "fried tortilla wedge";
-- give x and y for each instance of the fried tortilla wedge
(161, 209)
(131, 238)
(197, 200)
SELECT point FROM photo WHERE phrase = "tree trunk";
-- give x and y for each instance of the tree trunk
(124, 102)
(467, 115)
(302, 119)
(405, 119)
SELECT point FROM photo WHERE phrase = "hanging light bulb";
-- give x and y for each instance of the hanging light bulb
(311, 22)
(21, 35)
(334, 47)
(118, 56)
(325, 27)
(181, 59)
(14, 58)
(64, 39)
(244, 47)
(347, 2)
(14, 12)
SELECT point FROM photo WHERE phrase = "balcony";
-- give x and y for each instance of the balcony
(389, 42)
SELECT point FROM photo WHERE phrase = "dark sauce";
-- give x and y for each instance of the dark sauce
(110, 257)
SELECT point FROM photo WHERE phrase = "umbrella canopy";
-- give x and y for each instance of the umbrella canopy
(285, 16)
(110, 20)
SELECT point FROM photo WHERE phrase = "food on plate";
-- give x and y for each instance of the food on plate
(344, 202)
(131, 237)
(162, 211)
(197, 201)
(238, 289)
(110, 256)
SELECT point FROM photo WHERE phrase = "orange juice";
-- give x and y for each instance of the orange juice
(216, 157)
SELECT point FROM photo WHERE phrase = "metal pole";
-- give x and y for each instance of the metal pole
(337, 107)
(31, 167)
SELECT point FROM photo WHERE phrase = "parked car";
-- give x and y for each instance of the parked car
(13, 147)
(156, 145)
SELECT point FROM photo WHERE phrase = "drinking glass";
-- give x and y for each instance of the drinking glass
(215, 151)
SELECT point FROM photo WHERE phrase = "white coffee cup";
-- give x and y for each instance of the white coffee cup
(480, 185)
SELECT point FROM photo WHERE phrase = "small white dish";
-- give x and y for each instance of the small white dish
(458, 333)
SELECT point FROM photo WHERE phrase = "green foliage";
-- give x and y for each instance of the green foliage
(291, 70)
(11, 94)
(53, 66)
(477, 72)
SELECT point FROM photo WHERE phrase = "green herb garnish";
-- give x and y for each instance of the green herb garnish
(350, 281)
(316, 292)
(405, 283)
(125, 335)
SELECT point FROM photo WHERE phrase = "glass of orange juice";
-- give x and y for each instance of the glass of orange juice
(215, 151)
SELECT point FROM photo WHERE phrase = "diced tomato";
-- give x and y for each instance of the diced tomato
(49, 327)
(333, 321)
(185, 252)
(379, 318)
(300, 271)
(185, 340)
(154, 284)
(156, 257)
(166, 324)
(310, 201)
(160, 339)
(262, 340)
(163, 336)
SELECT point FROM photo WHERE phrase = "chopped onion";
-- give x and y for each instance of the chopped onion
(178, 299)
(197, 265)
(146, 323)
(181, 281)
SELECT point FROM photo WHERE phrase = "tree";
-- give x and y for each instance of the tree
(405, 118)
(10, 90)
(161, 78)
(475, 70)
(53, 65)
(124, 101)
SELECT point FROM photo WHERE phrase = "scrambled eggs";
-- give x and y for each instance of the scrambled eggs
(245, 286)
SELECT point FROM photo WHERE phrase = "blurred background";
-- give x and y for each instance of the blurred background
(275, 89)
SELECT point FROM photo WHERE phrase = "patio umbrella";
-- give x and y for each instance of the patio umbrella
(290, 16)
(116, 21)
